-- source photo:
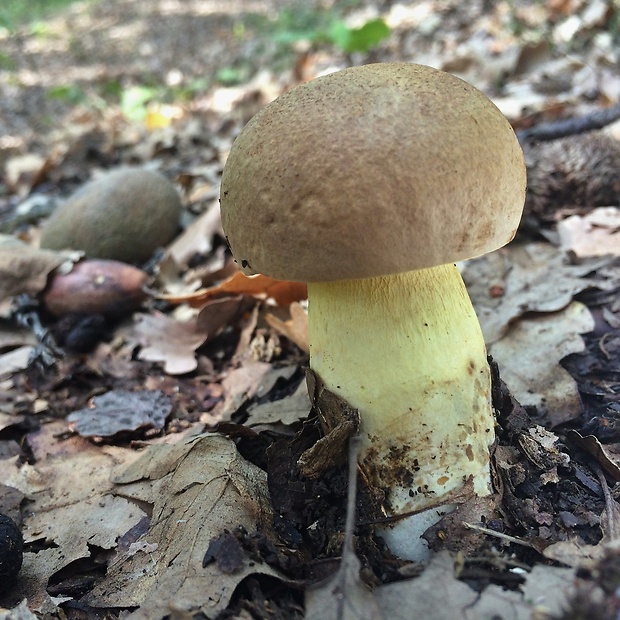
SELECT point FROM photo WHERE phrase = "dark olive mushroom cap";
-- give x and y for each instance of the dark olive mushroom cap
(123, 215)
(371, 171)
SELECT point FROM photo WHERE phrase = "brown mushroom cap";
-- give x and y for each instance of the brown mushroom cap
(371, 171)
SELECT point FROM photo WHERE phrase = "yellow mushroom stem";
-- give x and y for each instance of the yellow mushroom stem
(407, 351)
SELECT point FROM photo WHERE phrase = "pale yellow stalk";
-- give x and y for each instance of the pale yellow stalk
(408, 352)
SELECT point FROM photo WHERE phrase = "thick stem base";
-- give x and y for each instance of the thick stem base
(407, 351)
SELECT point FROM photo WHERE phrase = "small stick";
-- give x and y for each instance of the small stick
(506, 537)
(349, 526)
(545, 132)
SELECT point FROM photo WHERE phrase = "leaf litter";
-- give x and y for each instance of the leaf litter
(238, 359)
(198, 487)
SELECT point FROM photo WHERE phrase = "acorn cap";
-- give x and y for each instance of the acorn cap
(371, 171)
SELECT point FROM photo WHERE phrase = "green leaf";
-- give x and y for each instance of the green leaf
(6, 22)
(69, 93)
(230, 76)
(360, 39)
(134, 100)
(340, 34)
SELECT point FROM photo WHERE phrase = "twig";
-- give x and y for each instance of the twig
(544, 132)
(349, 526)
(506, 537)
(47, 352)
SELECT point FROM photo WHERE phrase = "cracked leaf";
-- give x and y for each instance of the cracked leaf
(199, 487)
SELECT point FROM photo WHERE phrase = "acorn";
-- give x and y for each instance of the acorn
(106, 287)
(124, 215)
(11, 551)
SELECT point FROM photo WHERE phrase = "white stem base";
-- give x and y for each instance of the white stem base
(408, 353)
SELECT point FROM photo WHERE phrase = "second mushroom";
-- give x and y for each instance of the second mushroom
(369, 184)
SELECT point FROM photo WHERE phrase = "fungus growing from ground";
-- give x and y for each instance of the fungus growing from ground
(369, 184)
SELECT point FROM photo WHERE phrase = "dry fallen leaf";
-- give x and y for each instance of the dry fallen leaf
(15, 360)
(23, 172)
(121, 411)
(515, 280)
(282, 291)
(24, 269)
(287, 410)
(593, 446)
(595, 234)
(529, 354)
(197, 238)
(217, 314)
(199, 488)
(21, 612)
(294, 328)
(167, 340)
(249, 380)
(437, 594)
(70, 511)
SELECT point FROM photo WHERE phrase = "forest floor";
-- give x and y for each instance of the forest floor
(128, 506)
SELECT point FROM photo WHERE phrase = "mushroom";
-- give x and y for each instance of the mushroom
(369, 184)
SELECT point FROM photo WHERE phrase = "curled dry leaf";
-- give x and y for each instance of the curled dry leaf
(252, 379)
(197, 238)
(522, 272)
(593, 446)
(121, 411)
(219, 313)
(199, 488)
(282, 292)
(595, 234)
(24, 269)
(287, 410)
(529, 356)
(96, 287)
(167, 340)
(294, 328)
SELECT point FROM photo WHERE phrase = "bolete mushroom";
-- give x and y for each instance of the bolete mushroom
(369, 184)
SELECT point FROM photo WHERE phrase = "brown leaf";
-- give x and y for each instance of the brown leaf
(15, 360)
(216, 314)
(197, 238)
(121, 411)
(282, 291)
(198, 488)
(529, 356)
(523, 272)
(249, 380)
(295, 328)
(166, 340)
(71, 508)
(24, 269)
(593, 446)
(23, 172)
(287, 410)
(595, 234)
